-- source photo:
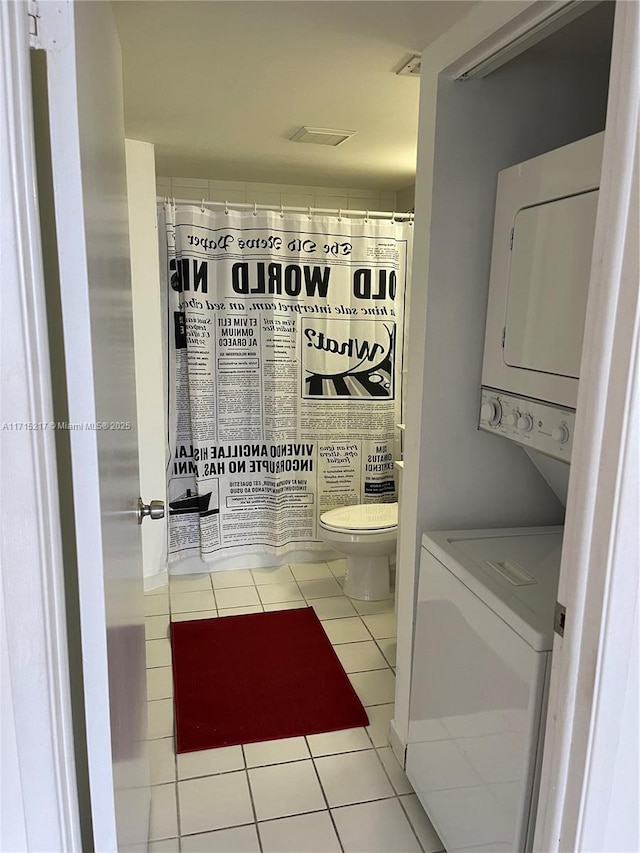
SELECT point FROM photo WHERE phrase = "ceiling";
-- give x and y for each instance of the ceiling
(219, 87)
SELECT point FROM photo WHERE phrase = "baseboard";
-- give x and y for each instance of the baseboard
(155, 581)
(398, 745)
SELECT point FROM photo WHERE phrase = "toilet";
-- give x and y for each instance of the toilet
(366, 534)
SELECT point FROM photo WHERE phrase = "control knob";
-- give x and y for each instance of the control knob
(491, 411)
(525, 423)
(560, 434)
(512, 419)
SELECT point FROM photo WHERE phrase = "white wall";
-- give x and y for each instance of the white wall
(293, 195)
(147, 329)
(406, 198)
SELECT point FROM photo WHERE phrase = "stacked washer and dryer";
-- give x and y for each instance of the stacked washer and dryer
(487, 598)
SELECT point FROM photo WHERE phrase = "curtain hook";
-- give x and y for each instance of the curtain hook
(366, 219)
(202, 206)
(309, 211)
(226, 207)
(393, 217)
(255, 208)
(339, 214)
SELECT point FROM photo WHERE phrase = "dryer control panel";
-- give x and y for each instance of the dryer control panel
(531, 423)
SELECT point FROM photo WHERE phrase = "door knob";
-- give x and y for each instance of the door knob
(154, 510)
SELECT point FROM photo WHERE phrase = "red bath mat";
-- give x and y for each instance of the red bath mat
(260, 676)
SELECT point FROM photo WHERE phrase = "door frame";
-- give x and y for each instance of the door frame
(43, 804)
(39, 790)
(588, 765)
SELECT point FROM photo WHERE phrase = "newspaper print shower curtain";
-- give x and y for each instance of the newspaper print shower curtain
(285, 343)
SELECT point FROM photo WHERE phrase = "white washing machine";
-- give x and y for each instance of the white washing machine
(481, 665)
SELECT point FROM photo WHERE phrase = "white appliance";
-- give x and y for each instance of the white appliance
(480, 673)
(540, 269)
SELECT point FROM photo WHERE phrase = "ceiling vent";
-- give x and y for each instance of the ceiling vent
(321, 135)
(411, 66)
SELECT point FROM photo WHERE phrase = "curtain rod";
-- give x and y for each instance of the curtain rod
(367, 214)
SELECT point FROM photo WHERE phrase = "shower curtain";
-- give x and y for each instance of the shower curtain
(285, 353)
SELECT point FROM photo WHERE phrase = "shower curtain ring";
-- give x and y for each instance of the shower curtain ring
(339, 214)
(202, 206)
(281, 210)
(366, 218)
(226, 207)
(393, 218)
(255, 208)
(309, 211)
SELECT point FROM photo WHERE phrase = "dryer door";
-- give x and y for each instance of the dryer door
(549, 283)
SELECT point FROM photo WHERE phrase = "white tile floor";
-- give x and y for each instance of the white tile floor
(340, 791)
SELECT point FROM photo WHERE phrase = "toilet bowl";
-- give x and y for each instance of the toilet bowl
(366, 534)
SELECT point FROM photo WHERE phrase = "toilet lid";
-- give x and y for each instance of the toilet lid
(361, 517)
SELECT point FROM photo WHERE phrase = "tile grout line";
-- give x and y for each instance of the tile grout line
(221, 829)
(259, 586)
(381, 650)
(308, 601)
(370, 631)
(324, 797)
(410, 822)
(253, 805)
(174, 735)
(356, 752)
(397, 795)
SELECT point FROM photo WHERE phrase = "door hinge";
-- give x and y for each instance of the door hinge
(504, 335)
(511, 240)
(559, 619)
(34, 29)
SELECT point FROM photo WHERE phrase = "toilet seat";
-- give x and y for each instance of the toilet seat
(361, 518)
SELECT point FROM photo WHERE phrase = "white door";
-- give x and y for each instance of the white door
(89, 192)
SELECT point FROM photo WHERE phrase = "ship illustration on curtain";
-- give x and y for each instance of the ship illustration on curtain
(285, 339)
